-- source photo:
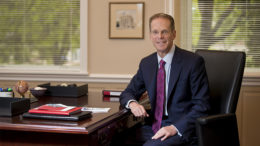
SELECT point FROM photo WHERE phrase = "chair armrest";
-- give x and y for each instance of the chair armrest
(216, 118)
(218, 130)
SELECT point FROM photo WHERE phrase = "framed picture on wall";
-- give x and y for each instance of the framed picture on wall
(126, 20)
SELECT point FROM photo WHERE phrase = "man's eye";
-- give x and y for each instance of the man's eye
(154, 32)
(165, 32)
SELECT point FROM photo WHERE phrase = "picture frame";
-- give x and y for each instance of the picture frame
(126, 20)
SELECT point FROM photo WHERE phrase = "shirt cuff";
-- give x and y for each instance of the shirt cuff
(177, 131)
(127, 105)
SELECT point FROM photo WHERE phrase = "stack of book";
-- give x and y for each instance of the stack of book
(58, 112)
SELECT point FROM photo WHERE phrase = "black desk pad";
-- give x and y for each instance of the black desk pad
(75, 117)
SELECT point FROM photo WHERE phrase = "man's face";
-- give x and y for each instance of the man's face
(162, 36)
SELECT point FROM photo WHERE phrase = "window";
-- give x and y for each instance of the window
(228, 25)
(43, 36)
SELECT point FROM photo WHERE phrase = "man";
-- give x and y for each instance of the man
(177, 86)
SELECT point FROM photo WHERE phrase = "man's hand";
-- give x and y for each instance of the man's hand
(137, 109)
(165, 132)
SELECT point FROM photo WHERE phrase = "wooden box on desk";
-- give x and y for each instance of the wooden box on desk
(62, 91)
(13, 106)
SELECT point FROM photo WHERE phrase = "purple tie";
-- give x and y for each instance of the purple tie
(159, 97)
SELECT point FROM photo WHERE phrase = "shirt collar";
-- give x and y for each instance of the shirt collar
(168, 57)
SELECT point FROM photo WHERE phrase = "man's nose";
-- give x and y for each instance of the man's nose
(160, 35)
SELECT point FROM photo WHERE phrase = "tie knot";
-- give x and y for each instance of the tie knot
(162, 63)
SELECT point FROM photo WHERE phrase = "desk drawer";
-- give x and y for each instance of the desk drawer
(105, 134)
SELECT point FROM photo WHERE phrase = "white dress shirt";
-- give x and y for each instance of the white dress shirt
(168, 59)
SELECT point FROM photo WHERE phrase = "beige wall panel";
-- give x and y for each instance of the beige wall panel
(248, 116)
(116, 56)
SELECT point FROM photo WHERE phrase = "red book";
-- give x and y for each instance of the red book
(111, 93)
(55, 109)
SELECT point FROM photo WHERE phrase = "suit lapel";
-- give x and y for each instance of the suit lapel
(175, 70)
(152, 76)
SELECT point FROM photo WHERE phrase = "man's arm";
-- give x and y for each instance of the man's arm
(130, 96)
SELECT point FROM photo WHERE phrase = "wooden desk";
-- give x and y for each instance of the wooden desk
(97, 130)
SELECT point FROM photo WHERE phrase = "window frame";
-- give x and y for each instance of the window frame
(13, 74)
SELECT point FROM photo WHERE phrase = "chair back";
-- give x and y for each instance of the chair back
(225, 73)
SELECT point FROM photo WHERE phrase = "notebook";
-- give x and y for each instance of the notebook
(55, 109)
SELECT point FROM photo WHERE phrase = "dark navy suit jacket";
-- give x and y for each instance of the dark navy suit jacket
(188, 89)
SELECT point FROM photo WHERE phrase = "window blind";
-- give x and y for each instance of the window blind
(40, 34)
(232, 25)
